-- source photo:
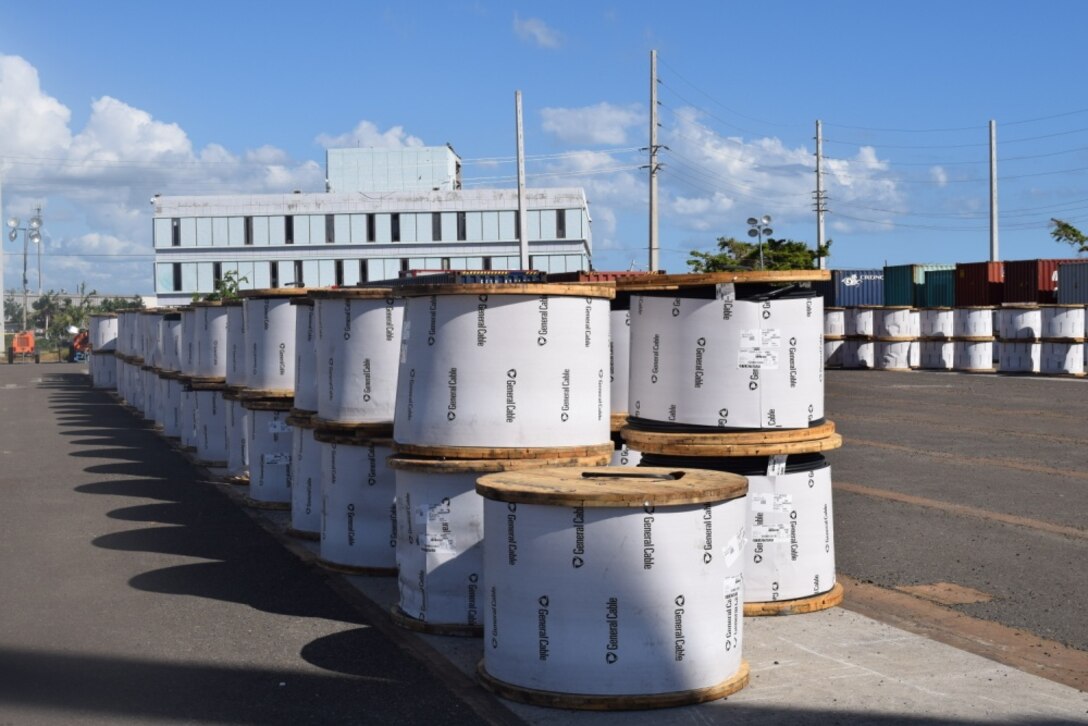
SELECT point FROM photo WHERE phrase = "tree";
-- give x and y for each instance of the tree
(13, 312)
(113, 304)
(226, 288)
(1065, 232)
(780, 254)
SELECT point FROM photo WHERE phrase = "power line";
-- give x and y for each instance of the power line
(719, 103)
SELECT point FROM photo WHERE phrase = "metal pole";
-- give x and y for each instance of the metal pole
(761, 247)
(3, 314)
(523, 225)
(994, 256)
(26, 241)
(820, 193)
(653, 261)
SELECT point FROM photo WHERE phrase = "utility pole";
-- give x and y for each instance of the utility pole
(523, 223)
(994, 256)
(821, 199)
(3, 314)
(653, 261)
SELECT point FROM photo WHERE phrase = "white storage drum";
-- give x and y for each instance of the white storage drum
(892, 354)
(305, 479)
(103, 370)
(973, 322)
(211, 340)
(358, 349)
(440, 532)
(859, 320)
(359, 516)
(619, 359)
(973, 356)
(649, 615)
(833, 352)
(188, 341)
(504, 370)
(236, 344)
(212, 442)
(938, 354)
(1021, 322)
(102, 332)
(622, 453)
(858, 353)
(937, 323)
(894, 322)
(268, 440)
(270, 340)
(834, 322)
(1019, 356)
(305, 357)
(237, 428)
(1062, 359)
(727, 358)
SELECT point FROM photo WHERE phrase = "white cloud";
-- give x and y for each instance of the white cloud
(367, 135)
(603, 123)
(939, 175)
(29, 119)
(536, 31)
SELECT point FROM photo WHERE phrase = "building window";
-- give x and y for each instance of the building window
(445, 263)
(462, 227)
(517, 225)
(371, 233)
(394, 227)
(299, 282)
(274, 273)
(177, 274)
(560, 224)
(403, 264)
(436, 226)
(487, 263)
(247, 230)
(362, 271)
(217, 272)
(175, 234)
(338, 273)
(288, 231)
(330, 229)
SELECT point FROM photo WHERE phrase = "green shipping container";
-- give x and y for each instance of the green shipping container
(938, 290)
(906, 284)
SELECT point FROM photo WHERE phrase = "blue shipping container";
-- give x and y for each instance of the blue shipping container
(858, 287)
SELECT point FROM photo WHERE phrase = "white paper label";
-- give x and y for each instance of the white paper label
(770, 533)
(767, 502)
(776, 466)
(734, 547)
(731, 585)
(278, 427)
(406, 330)
(441, 542)
(726, 291)
(759, 349)
(279, 459)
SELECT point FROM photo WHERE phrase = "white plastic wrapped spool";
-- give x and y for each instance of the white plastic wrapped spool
(859, 320)
(938, 355)
(171, 424)
(1063, 322)
(834, 322)
(973, 322)
(619, 358)
(305, 479)
(170, 332)
(858, 353)
(270, 339)
(727, 363)
(359, 517)
(146, 404)
(187, 410)
(623, 454)
(236, 344)
(973, 356)
(305, 356)
(937, 323)
(237, 453)
(914, 354)
(211, 424)
(188, 341)
(1018, 357)
(1021, 322)
(895, 322)
(613, 587)
(162, 400)
(490, 371)
(440, 532)
(358, 348)
(151, 345)
(102, 331)
(211, 340)
(1062, 359)
(103, 370)
(892, 355)
(833, 352)
(268, 441)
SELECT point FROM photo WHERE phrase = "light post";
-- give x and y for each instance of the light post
(760, 227)
(31, 233)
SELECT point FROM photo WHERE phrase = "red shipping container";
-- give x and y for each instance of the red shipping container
(1033, 281)
(979, 283)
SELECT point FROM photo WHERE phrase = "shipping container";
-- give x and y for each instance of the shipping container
(905, 284)
(939, 290)
(1033, 281)
(857, 287)
(1073, 284)
(979, 284)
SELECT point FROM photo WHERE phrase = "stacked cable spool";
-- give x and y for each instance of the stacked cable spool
(834, 336)
(896, 336)
(973, 346)
(268, 394)
(492, 378)
(1019, 343)
(235, 382)
(102, 331)
(154, 400)
(936, 333)
(208, 383)
(169, 375)
(596, 597)
(305, 466)
(858, 348)
(619, 364)
(126, 349)
(358, 333)
(1063, 336)
(727, 374)
(187, 435)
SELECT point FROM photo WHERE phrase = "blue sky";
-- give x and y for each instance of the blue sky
(104, 104)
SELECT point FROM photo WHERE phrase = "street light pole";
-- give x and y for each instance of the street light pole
(760, 227)
(31, 233)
